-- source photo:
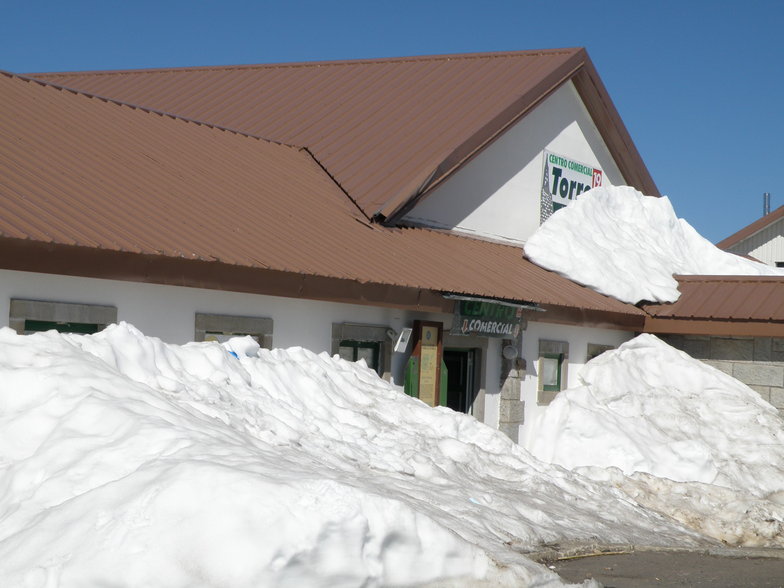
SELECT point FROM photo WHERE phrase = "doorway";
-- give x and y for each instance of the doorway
(461, 386)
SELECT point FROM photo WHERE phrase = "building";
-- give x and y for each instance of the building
(375, 209)
(734, 323)
(763, 239)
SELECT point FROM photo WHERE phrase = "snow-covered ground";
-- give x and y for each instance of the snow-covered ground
(678, 436)
(628, 246)
(125, 461)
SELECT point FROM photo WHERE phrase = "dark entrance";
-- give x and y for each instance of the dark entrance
(460, 387)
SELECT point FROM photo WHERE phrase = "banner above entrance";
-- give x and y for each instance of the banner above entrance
(564, 179)
(486, 319)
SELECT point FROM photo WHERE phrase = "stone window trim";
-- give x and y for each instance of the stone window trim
(22, 309)
(550, 349)
(237, 325)
(366, 333)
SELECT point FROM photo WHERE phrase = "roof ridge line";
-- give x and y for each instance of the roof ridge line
(146, 109)
(303, 64)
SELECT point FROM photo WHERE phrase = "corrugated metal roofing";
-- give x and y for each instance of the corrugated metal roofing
(79, 170)
(752, 298)
(384, 128)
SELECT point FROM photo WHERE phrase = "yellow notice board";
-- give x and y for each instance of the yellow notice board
(428, 366)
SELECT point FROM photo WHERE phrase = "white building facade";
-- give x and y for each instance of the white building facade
(511, 174)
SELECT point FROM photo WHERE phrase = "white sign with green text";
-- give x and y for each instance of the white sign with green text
(563, 180)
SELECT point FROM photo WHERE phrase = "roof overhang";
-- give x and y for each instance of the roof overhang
(89, 262)
(584, 317)
(69, 260)
(724, 328)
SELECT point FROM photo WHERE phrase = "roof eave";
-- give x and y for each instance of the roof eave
(713, 327)
(612, 129)
(92, 262)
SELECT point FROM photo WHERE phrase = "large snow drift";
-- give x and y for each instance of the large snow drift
(628, 246)
(715, 447)
(125, 461)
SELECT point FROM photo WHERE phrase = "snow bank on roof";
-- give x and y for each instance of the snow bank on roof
(628, 246)
(649, 408)
(125, 461)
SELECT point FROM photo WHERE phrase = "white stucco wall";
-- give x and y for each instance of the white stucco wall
(496, 195)
(578, 339)
(168, 312)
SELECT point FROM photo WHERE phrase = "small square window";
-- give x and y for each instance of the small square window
(373, 343)
(595, 350)
(33, 326)
(222, 327)
(356, 350)
(550, 371)
(223, 337)
(32, 316)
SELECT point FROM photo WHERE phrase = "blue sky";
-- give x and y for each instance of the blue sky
(697, 83)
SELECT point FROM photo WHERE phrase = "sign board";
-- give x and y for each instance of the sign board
(429, 364)
(486, 319)
(563, 180)
(426, 375)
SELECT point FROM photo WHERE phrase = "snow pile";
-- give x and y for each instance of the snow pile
(125, 461)
(734, 517)
(715, 445)
(628, 246)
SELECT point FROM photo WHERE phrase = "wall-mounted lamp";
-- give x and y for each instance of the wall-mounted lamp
(509, 352)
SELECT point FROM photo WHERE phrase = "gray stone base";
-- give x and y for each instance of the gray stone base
(512, 409)
(758, 362)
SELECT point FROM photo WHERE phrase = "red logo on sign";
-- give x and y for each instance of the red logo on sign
(597, 178)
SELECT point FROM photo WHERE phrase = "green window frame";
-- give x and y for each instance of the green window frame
(551, 369)
(26, 316)
(35, 326)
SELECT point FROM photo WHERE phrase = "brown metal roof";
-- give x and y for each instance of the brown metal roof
(751, 229)
(742, 305)
(387, 130)
(96, 188)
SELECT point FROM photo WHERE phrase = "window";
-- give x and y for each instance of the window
(780, 264)
(595, 350)
(31, 326)
(32, 316)
(373, 343)
(222, 327)
(550, 371)
(553, 363)
(356, 350)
